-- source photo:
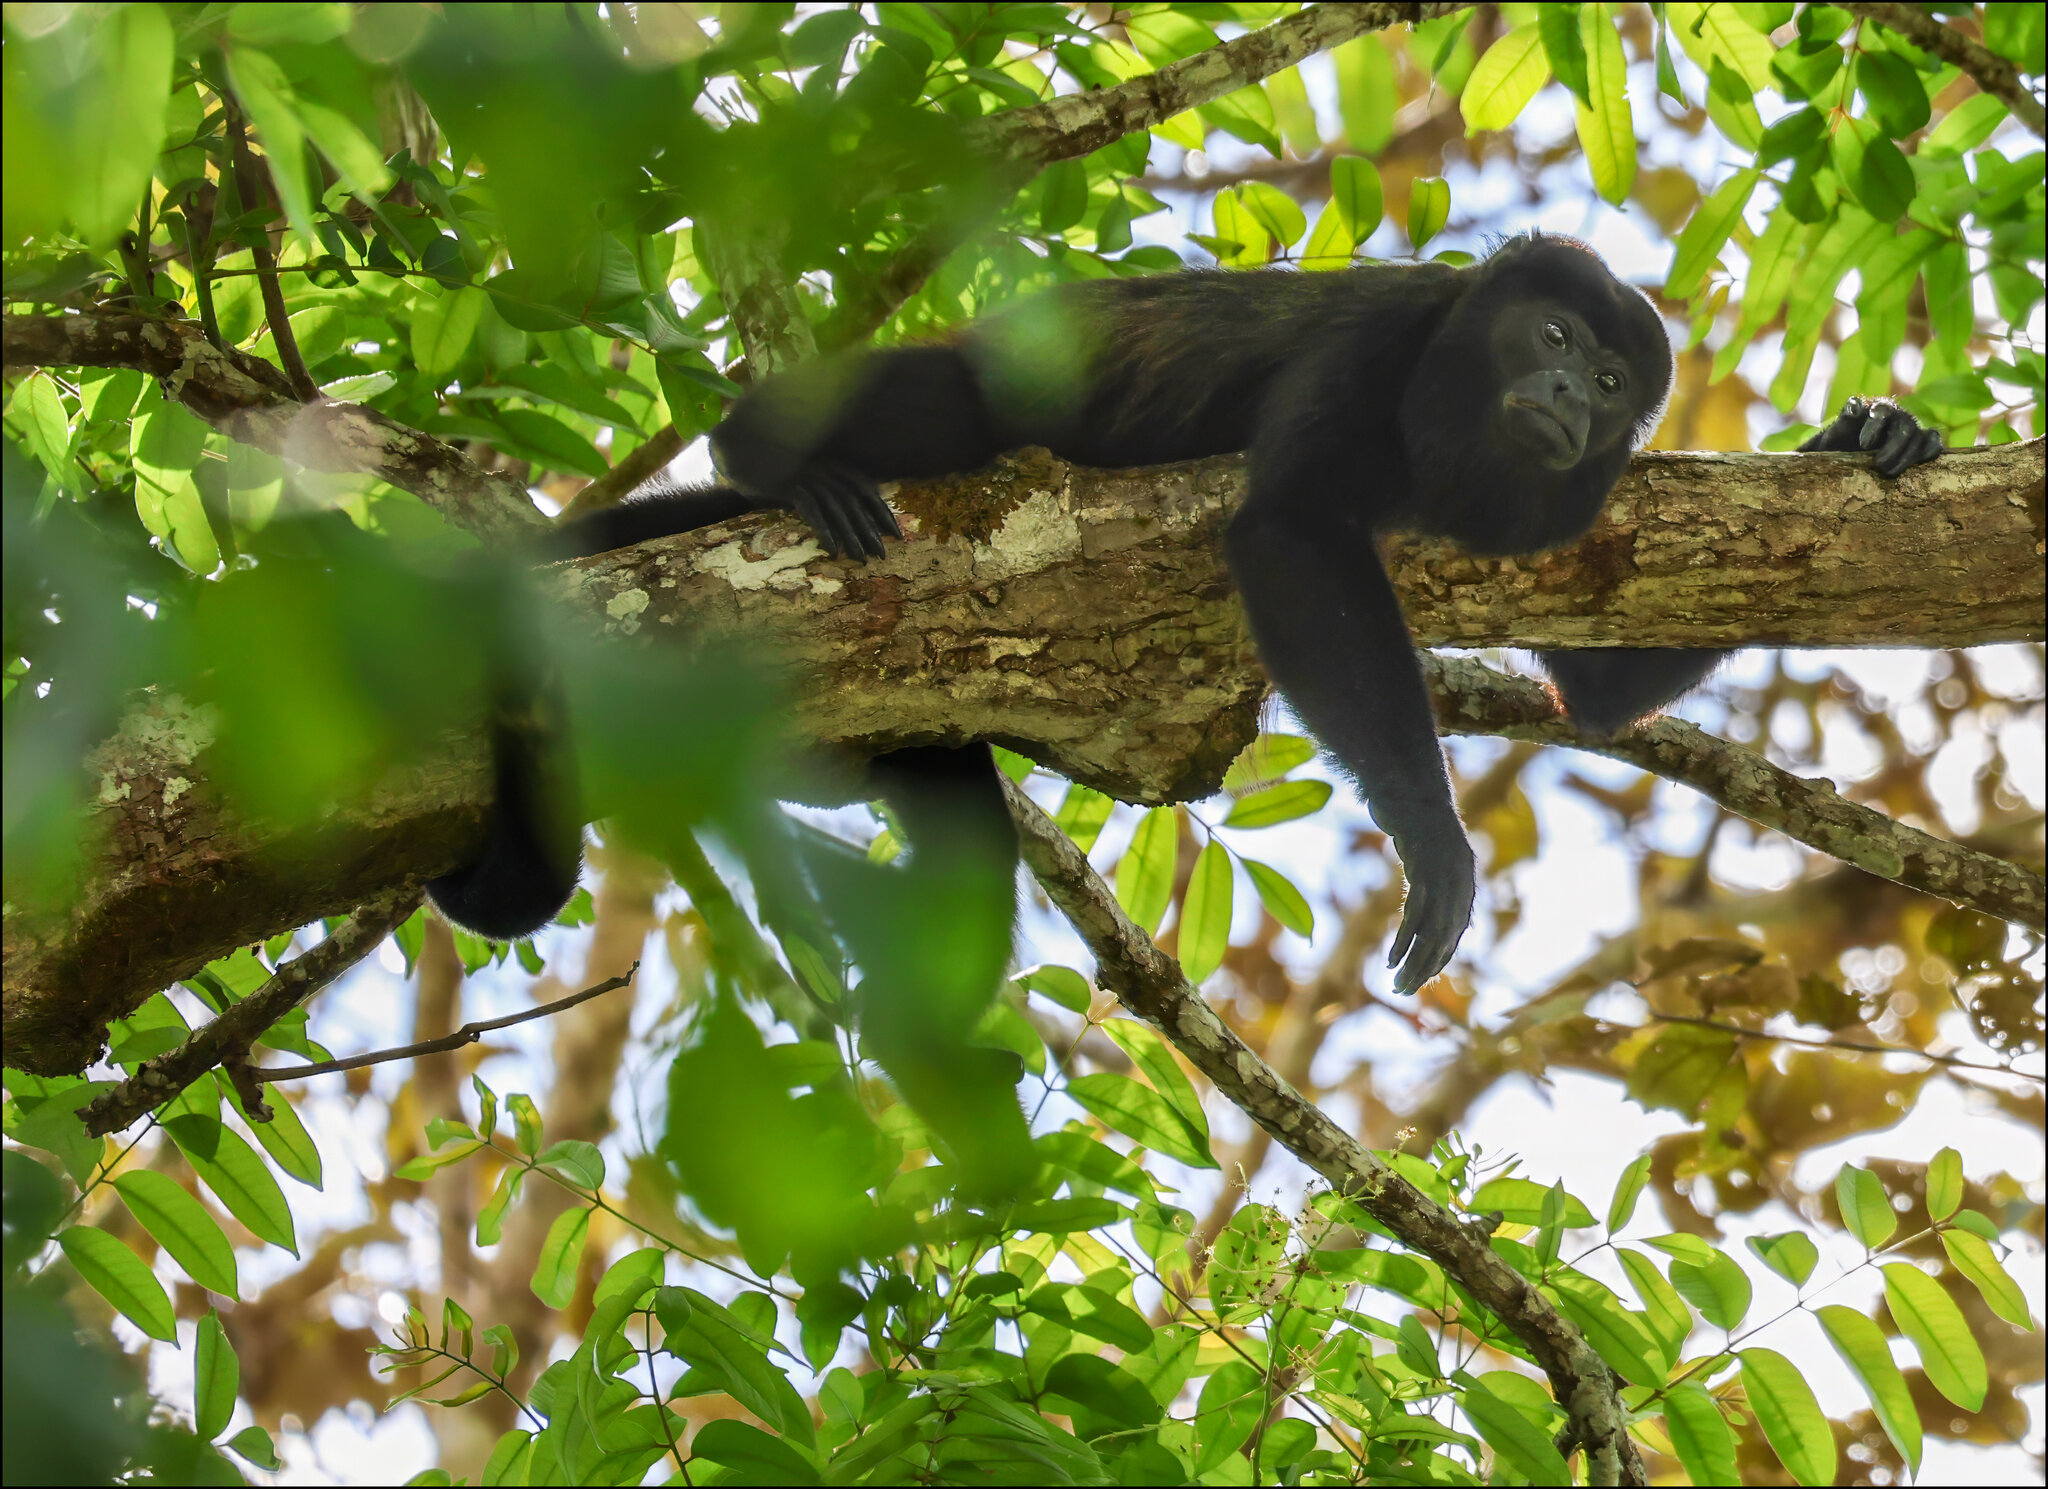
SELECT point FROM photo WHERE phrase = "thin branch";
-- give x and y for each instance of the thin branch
(468, 1034)
(249, 187)
(1471, 698)
(1991, 72)
(228, 1036)
(1861, 1047)
(1153, 986)
(634, 470)
(1019, 143)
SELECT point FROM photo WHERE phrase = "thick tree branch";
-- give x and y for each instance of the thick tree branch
(1990, 71)
(249, 400)
(1151, 984)
(228, 1037)
(1085, 618)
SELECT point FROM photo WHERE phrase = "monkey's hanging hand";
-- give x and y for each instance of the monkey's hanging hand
(1894, 439)
(1442, 880)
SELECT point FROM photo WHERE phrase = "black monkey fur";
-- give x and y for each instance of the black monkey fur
(1495, 405)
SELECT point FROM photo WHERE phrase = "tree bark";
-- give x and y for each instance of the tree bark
(1084, 618)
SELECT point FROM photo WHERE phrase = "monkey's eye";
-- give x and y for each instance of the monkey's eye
(1556, 335)
(1608, 382)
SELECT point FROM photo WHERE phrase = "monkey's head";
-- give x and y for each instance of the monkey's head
(1547, 373)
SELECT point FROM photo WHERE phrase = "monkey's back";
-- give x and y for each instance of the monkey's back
(1175, 366)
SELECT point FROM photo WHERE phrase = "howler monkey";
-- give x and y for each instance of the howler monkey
(1495, 405)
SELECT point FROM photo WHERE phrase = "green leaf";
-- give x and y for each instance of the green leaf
(1275, 211)
(1701, 241)
(443, 326)
(1622, 1338)
(1082, 814)
(554, 443)
(1063, 198)
(1282, 803)
(1944, 1182)
(1866, 1208)
(1664, 1309)
(1791, 1255)
(1791, 1419)
(753, 1456)
(577, 1161)
(1720, 1289)
(181, 1226)
(509, 1459)
(1063, 985)
(1928, 1316)
(118, 1275)
(1267, 758)
(1973, 1257)
(1091, 1311)
(1892, 87)
(285, 1139)
(1622, 1208)
(1607, 131)
(1872, 169)
(1700, 1434)
(1505, 79)
(1429, 208)
(1205, 913)
(266, 92)
(1282, 900)
(1329, 243)
(1366, 94)
(1356, 193)
(1977, 1224)
(1154, 1058)
(554, 1273)
(420, 1167)
(1519, 1442)
(1139, 1112)
(1863, 1347)
(631, 1276)
(1144, 877)
(164, 444)
(254, 1444)
(1564, 47)
(525, 1122)
(216, 1377)
(237, 1177)
(1521, 1201)
(1964, 127)
(490, 1220)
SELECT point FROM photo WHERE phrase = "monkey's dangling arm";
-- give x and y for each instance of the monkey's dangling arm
(1331, 634)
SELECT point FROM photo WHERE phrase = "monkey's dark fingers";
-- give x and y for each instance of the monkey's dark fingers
(885, 515)
(857, 502)
(818, 518)
(835, 520)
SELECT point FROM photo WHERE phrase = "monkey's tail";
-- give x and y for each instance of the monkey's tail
(532, 853)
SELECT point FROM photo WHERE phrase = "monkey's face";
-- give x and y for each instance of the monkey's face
(1563, 396)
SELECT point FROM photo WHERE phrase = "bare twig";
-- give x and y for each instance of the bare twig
(468, 1034)
(1151, 984)
(1859, 1046)
(249, 186)
(1990, 71)
(229, 1036)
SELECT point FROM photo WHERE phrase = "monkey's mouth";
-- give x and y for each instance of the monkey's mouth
(1541, 425)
